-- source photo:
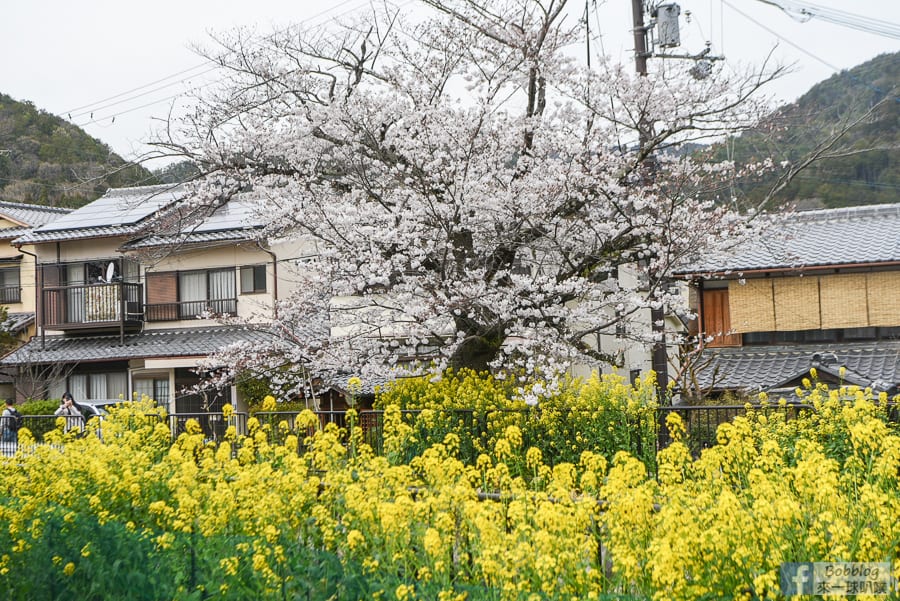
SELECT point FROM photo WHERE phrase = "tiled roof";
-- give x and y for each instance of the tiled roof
(849, 236)
(105, 231)
(29, 214)
(233, 221)
(180, 342)
(16, 322)
(875, 364)
(155, 241)
(120, 211)
(9, 233)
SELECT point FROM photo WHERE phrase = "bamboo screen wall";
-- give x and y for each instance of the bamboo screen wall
(884, 298)
(752, 306)
(842, 302)
(811, 303)
(796, 304)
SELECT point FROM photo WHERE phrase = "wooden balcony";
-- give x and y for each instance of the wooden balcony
(99, 307)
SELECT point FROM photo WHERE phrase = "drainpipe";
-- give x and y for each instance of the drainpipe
(274, 277)
(701, 311)
(39, 295)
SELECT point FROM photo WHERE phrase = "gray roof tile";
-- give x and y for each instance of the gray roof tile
(120, 211)
(156, 241)
(233, 221)
(16, 322)
(176, 342)
(31, 215)
(32, 236)
(875, 364)
(9, 233)
(856, 235)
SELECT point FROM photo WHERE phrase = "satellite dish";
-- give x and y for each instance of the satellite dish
(110, 271)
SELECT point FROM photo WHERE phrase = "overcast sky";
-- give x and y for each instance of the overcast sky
(115, 66)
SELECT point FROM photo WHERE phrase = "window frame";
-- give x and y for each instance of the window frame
(208, 274)
(258, 276)
(10, 293)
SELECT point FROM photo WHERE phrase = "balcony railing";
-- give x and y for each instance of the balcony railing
(190, 309)
(119, 303)
(93, 306)
(10, 294)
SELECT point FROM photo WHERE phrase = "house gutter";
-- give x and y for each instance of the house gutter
(274, 277)
(39, 294)
(701, 309)
(768, 270)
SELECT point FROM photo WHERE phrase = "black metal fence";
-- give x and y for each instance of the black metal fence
(702, 422)
(212, 425)
(642, 435)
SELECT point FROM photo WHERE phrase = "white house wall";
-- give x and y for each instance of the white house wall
(253, 307)
(79, 250)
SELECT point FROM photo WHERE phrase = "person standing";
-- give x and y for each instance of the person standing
(69, 410)
(10, 420)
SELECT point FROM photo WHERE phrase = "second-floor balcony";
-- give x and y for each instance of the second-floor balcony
(120, 305)
(93, 306)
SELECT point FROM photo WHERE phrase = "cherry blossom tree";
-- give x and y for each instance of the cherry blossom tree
(471, 193)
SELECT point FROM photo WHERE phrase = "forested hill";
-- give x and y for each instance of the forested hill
(46, 160)
(868, 172)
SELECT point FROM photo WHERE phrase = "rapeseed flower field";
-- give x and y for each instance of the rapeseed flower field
(558, 505)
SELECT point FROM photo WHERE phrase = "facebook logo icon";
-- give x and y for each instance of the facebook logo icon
(797, 579)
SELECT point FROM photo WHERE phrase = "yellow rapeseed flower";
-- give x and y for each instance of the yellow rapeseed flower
(355, 540)
(405, 592)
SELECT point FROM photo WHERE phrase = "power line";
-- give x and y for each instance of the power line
(209, 65)
(804, 50)
(805, 11)
(780, 37)
(87, 110)
(147, 85)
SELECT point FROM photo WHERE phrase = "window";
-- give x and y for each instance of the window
(633, 376)
(101, 271)
(253, 279)
(156, 388)
(100, 385)
(206, 291)
(10, 287)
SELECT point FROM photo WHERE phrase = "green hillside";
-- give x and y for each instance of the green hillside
(45, 160)
(868, 170)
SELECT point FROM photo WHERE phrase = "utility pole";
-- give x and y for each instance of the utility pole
(640, 39)
(659, 357)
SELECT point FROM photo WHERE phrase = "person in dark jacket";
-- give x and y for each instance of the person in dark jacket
(9, 422)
